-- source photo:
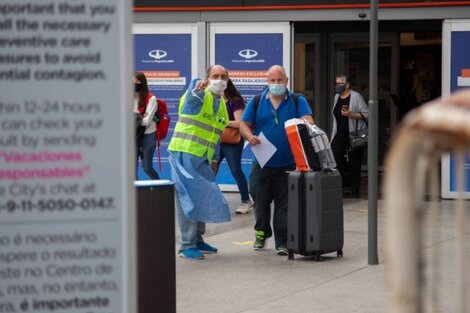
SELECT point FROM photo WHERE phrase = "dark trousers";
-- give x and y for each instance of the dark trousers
(266, 185)
(348, 162)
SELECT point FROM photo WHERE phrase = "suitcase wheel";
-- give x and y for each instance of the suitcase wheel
(317, 257)
(339, 254)
(290, 255)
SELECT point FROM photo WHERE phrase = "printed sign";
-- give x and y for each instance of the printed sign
(456, 75)
(66, 194)
(247, 58)
(165, 59)
(248, 52)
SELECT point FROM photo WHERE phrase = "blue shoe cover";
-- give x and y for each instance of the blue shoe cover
(206, 248)
(191, 253)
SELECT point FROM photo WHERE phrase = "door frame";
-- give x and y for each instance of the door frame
(318, 96)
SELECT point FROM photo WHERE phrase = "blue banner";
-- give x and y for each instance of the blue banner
(166, 61)
(247, 57)
(460, 78)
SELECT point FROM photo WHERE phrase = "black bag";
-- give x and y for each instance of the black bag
(315, 213)
(139, 129)
(359, 137)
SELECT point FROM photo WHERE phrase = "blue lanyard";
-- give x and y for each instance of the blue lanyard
(275, 116)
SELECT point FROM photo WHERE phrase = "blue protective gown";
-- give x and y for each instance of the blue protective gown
(199, 195)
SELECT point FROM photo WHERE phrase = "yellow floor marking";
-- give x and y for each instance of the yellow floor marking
(243, 243)
(367, 210)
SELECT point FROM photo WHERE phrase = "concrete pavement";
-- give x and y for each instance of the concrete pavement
(241, 280)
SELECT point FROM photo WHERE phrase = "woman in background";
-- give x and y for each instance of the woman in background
(145, 103)
(233, 152)
(349, 111)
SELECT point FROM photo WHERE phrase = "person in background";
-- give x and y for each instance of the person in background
(193, 161)
(430, 90)
(233, 152)
(349, 108)
(145, 103)
(411, 90)
(267, 184)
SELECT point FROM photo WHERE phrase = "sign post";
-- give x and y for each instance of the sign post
(67, 224)
(372, 151)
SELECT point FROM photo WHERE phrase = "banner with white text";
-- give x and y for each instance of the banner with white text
(164, 53)
(247, 51)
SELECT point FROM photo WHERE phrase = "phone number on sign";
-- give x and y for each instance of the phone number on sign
(57, 205)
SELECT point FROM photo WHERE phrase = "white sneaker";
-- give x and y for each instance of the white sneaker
(244, 208)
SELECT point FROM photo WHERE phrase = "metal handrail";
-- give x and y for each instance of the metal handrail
(438, 127)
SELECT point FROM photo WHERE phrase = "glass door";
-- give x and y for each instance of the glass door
(349, 54)
(306, 74)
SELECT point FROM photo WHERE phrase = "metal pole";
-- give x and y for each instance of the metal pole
(372, 150)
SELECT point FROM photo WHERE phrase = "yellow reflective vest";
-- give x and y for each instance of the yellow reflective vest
(199, 134)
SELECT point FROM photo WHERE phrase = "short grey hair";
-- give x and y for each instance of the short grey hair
(277, 67)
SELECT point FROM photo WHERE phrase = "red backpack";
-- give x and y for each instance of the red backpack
(162, 120)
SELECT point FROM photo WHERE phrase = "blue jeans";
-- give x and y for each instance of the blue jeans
(145, 150)
(190, 231)
(266, 185)
(233, 154)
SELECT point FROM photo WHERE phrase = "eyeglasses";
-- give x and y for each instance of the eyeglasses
(340, 84)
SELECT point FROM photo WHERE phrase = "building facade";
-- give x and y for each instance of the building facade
(331, 37)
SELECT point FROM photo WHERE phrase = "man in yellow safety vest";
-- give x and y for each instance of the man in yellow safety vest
(193, 161)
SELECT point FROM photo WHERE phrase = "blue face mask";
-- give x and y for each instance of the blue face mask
(277, 89)
(340, 88)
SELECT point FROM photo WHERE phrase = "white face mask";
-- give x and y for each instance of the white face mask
(217, 86)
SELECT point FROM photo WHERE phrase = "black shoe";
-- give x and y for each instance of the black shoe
(354, 191)
(351, 194)
(347, 191)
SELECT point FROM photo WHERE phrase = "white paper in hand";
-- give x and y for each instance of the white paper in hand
(263, 151)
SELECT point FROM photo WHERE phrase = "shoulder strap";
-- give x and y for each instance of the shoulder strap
(257, 99)
(295, 97)
(365, 120)
(147, 99)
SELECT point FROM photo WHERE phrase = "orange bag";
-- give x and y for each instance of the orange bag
(230, 135)
(301, 145)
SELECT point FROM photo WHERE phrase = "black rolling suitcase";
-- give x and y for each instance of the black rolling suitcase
(315, 213)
